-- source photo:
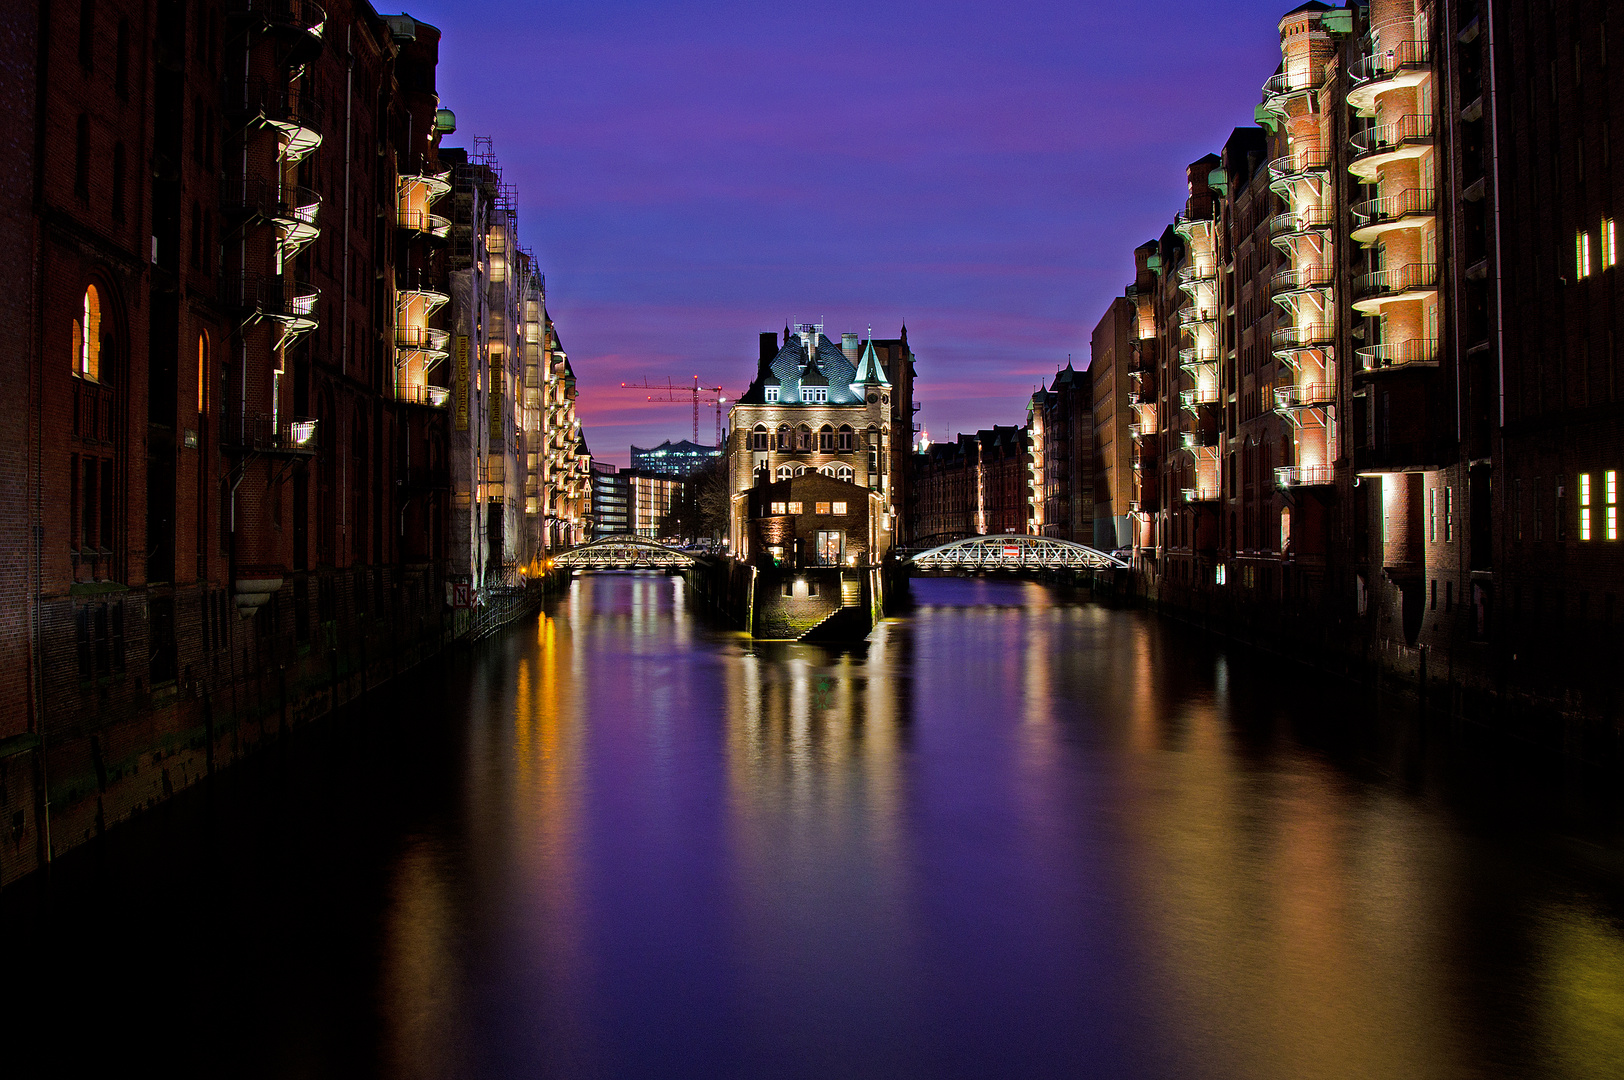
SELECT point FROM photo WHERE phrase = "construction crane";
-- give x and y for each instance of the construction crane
(670, 391)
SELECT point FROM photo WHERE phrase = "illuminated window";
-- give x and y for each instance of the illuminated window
(1609, 243)
(817, 394)
(1432, 514)
(785, 472)
(1612, 505)
(778, 508)
(1449, 514)
(839, 508)
(1582, 255)
(820, 508)
(845, 473)
(1584, 506)
(202, 373)
(797, 508)
(87, 334)
(772, 393)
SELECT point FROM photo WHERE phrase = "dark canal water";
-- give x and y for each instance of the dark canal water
(1014, 836)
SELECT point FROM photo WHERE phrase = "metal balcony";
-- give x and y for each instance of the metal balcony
(1292, 169)
(1413, 281)
(1193, 229)
(1296, 476)
(1406, 210)
(1401, 63)
(259, 433)
(294, 210)
(425, 223)
(433, 397)
(1407, 137)
(293, 112)
(1191, 315)
(1294, 396)
(1198, 438)
(1194, 358)
(278, 299)
(1285, 86)
(1196, 275)
(1200, 494)
(1301, 280)
(1194, 399)
(1289, 226)
(301, 22)
(1415, 353)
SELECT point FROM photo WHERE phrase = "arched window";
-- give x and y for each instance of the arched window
(803, 470)
(846, 438)
(826, 439)
(203, 373)
(827, 470)
(785, 442)
(845, 473)
(803, 437)
(87, 337)
(759, 437)
(785, 472)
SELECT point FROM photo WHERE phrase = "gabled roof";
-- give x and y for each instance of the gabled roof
(869, 368)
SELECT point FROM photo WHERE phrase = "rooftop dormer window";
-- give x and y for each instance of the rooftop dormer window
(818, 395)
(771, 392)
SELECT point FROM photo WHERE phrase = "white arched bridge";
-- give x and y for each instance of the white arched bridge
(624, 551)
(1014, 552)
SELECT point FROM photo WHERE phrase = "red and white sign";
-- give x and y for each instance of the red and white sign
(1012, 551)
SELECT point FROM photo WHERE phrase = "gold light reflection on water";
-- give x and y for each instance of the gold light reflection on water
(419, 965)
(1582, 996)
(1284, 916)
(813, 742)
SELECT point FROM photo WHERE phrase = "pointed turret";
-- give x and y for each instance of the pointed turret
(869, 368)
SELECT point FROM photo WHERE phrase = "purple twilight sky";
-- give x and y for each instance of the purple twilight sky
(691, 174)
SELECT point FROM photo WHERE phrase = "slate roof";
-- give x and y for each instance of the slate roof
(792, 368)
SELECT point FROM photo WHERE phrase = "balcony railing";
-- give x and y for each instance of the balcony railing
(292, 110)
(1200, 494)
(1197, 357)
(426, 338)
(1197, 274)
(1197, 438)
(1301, 280)
(1384, 64)
(1304, 395)
(300, 17)
(1417, 352)
(1408, 130)
(260, 433)
(1386, 284)
(1285, 85)
(1309, 336)
(1191, 314)
(1190, 227)
(281, 299)
(1314, 219)
(1410, 203)
(424, 222)
(435, 397)
(1295, 476)
(1191, 399)
(1302, 163)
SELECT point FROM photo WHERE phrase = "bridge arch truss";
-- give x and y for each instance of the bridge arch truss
(1014, 552)
(624, 552)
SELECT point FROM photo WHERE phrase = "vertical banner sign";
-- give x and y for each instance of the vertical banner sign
(462, 382)
(495, 397)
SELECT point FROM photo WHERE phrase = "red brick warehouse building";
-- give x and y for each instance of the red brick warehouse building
(227, 490)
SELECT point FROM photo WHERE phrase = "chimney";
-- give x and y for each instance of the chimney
(849, 345)
(769, 347)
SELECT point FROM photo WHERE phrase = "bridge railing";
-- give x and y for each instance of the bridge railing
(623, 552)
(1014, 552)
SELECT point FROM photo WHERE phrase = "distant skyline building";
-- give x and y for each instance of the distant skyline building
(682, 458)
